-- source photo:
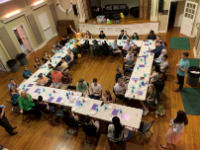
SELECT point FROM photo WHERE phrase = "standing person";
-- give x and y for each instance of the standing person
(95, 90)
(120, 88)
(121, 35)
(37, 63)
(12, 83)
(102, 35)
(4, 122)
(176, 129)
(26, 73)
(151, 35)
(182, 67)
(77, 32)
(63, 67)
(126, 48)
(56, 77)
(135, 36)
(82, 86)
(66, 80)
(108, 97)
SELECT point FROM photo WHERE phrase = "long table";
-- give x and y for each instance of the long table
(129, 117)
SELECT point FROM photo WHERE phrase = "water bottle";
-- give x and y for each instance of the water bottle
(148, 47)
(139, 85)
(97, 108)
(55, 62)
(138, 67)
(145, 62)
(144, 52)
(105, 107)
(44, 89)
(69, 93)
(81, 103)
(141, 59)
(39, 92)
(120, 111)
(35, 76)
(45, 66)
(23, 88)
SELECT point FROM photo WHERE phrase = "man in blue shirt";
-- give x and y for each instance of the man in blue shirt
(182, 68)
(12, 83)
(26, 73)
(121, 35)
(158, 49)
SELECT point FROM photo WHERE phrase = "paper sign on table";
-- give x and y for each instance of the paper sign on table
(146, 44)
(134, 79)
(78, 103)
(144, 56)
(36, 90)
(27, 89)
(148, 51)
(94, 106)
(115, 112)
(30, 85)
(125, 117)
(50, 99)
(140, 92)
(143, 84)
(141, 65)
(59, 99)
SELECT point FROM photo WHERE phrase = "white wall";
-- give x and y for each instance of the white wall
(179, 14)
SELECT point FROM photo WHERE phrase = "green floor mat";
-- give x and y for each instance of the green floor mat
(191, 100)
(194, 62)
(179, 43)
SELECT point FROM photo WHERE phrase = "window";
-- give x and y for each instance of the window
(4, 1)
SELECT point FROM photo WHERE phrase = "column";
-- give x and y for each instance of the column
(81, 11)
(154, 10)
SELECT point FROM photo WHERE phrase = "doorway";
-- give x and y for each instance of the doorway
(172, 14)
(23, 39)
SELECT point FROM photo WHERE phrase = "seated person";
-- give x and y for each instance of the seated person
(90, 126)
(46, 57)
(37, 63)
(44, 106)
(150, 100)
(120, 75)
(66, 80)
(77, 32)
(58, 45)
(158, 49)
(160, 58)
(102, 35)
(56, 77)
(117, 132)
(158, 38)
(63, 67)
(135, 36)
(160, 83)
(54, 49)
(151, 35)
(125, 37)
(154, 73)
(86, 45)
(65, 40)
(88, 35)
(26, 73)
(115, 48)
(135, 50)
(70, 118)
(129, 65)
(75, 50)
(120, 89)
(164, 63)
(26, 104)
(95, 48)
(42, 80)
(50, 68)
(95, 90)
(70, 57)
(14, 95)
(12, 83)
(82, 86)
(108, 97)
(121, 35)
(126, 47)
(128, 55)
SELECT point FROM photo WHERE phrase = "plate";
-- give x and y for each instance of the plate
(74, 108)
(110, 106)
(93, 112)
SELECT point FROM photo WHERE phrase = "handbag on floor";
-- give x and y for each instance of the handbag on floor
(160, 110)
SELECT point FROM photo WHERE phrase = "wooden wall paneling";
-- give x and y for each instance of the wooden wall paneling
(141, 15)
(141, 3)
(8, 43)
(53, 13)
(35, 28)
(197, 38)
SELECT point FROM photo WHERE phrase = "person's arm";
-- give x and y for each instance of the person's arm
(36, 65)
(53, 80)
(72, 29)
(91, 37)
(113, 98)
(2, 112)
(92, 91)
(94, 123)
(77, 87)
(125, 86)
(61, 84)
(118, 93)
(20, 104)
(182, 69)
(25, 75)
(47, 108)
(82, 29)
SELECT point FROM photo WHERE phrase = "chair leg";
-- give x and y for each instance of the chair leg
(72, 132)
(24, 119)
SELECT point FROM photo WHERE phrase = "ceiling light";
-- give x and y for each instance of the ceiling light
(12, 13)
(36, 3)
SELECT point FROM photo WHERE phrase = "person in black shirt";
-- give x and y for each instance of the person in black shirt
(160, 84)
(102, 35)
(151, 35)
(4, 122)
(120, 75)
(70, 118)
(121, 35)
(89, 126)
(65, 40)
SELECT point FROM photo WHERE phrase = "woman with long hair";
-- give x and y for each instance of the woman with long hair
(108, 97)
(135, 36)
(14, 95)
(70, 118)
(37, 63)
(46, 57)
(154, 76)
(77, 32)
(176, 129)
(88, 35)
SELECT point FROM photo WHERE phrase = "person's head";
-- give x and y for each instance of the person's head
(87, 41)
(12, 81)
(40, 98)
(135, 34)
(185, 55)
(134, 46)
(156, 68)
(65, 74)
(58, 43)
(181, 118)
(25, 68)
(165, 57)
(120, 82)
(87, 119)
(119, 70)
(40, 76)
(101, 32)
(115, 42)
(164, 51)
(162, 76)
(122, 32)
(152, 88)
(58, 48)
(107, 93)
(128, 42)
(160, 43)
(37, 59)
(117, 125)
(77, 30)
(80, 81)
(158, 37)
(50, 66)
(132, 58)
(151, 32)
(13, 89)
(24, 94)
(55, 69)
(94, 41)
(46, 53)
(95, 81)
(125, 32)
(63, 59)
(69, 51)
(54, 46)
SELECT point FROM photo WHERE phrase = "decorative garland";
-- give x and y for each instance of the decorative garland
(62, 9)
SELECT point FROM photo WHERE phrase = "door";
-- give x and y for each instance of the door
(24, 38)
(188, 18)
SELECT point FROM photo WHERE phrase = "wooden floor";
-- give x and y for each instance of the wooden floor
(40, 134)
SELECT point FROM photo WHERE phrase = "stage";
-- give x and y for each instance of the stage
(130, 24)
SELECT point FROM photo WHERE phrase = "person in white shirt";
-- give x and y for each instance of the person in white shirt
(117, 132)
(129, 55)
(160, 57)
(176, 130)
(154, 76)
(115, 48)
(63, 67)
(126, 47)
(96, 90)
(120, 89)
(164, 63)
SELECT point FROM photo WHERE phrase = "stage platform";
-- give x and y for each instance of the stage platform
(130, 24)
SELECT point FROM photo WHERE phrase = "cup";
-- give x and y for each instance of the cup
(148, 47)
(120, 111)
(132, 91)
(44, 89)
(144, 74)
(49, 94)
(140, 85)
(97, 108)
(138, 67)
(105, 107)
(133, 87)
(145, 62)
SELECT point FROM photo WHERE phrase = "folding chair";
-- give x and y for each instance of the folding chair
(15, 107)
(118, 144)
(24, 119)
(95, 136)
(73, 130)
(144, 130)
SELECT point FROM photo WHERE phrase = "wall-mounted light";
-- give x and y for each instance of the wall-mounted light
(12, 13)
(37, 3)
